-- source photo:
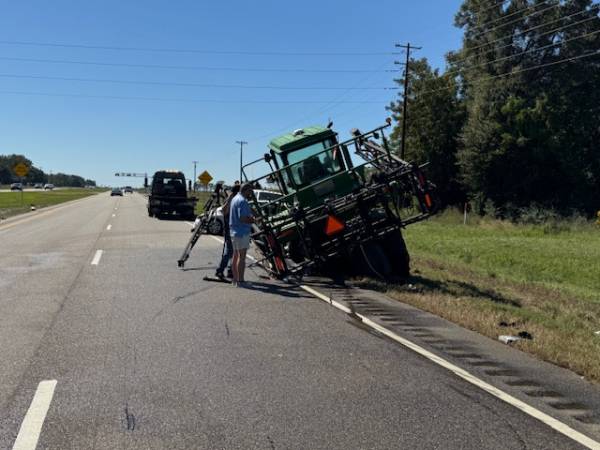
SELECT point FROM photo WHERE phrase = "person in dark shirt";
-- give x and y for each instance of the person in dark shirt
(227, 245)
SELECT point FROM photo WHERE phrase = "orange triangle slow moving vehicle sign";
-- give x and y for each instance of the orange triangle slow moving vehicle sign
(333, 225)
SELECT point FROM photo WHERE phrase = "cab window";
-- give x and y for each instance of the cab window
(306, 169)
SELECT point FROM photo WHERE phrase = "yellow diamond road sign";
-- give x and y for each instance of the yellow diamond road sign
(205, 178)
(21, 170)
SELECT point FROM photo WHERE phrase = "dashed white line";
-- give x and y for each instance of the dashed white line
(30, 430)
(97, 257)
(114, 215)
(467, 376)
(108, 227)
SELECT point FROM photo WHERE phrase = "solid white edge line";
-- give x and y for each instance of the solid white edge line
(108, 227)
(30, 430)
(467, 376)
(527, 409)
(97, 257)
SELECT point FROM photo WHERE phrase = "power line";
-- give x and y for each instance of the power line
(329, 106)
(198, 51)
(515, 72)
(202, 85)
(515, 20)
(537, 49)
(182, 100)
(497, 19)
(201, 68)
(555, 30)
(407, 47)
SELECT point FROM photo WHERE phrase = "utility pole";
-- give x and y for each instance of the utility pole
(408, 48)
(242, 143)
(195, 162)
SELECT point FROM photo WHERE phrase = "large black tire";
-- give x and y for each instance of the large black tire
(397, 254)
(372, 261)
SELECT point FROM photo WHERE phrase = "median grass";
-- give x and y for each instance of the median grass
(498, 278)
(202, 197)
(16, 202)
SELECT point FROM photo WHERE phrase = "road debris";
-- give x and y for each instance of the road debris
(525, 335)
(509, 339)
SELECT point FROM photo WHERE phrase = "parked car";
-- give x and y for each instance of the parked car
(16, 187)
(48, 187)
(216, 222)
(116, 191)
(38, 186)
(264, 197)
(128, 190)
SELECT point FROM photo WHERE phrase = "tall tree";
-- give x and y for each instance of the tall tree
(435, 118)
(532, 92)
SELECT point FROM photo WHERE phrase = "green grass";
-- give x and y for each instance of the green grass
(559, 256)
(12, 204)
(544, 279)
(202, 198)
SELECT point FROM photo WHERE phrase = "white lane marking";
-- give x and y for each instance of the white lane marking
(30, 430)
(97, 257)
(527, 409)
(114, 215)
(109, 226)
(116, 209)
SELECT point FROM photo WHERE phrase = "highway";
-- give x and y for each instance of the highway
(106, 344)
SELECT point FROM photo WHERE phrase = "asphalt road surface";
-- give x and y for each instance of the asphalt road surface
(145, 355)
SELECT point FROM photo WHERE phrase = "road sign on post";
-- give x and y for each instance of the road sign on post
(205, 178)
(21, 170)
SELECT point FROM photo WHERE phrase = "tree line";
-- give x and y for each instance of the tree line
(513, 121)
(36, 175)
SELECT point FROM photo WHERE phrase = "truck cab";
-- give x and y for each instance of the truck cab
(169, 195)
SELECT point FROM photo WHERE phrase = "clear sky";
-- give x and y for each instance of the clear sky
(95, 128)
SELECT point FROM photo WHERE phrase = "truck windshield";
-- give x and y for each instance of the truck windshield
(170, 185)
(308, 167)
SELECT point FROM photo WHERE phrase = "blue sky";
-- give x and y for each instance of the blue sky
(95, 136)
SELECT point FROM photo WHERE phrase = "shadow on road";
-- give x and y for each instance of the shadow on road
(275, 289)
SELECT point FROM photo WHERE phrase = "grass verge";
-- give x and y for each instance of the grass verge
(498, 278)
(11, 203)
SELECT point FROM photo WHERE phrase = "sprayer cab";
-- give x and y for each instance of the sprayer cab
(313, 165)
(334, 214)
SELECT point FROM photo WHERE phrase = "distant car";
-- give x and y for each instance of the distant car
(48, 187)
(116, 191)
(16, 187)
(128, 190)
(38, 186)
